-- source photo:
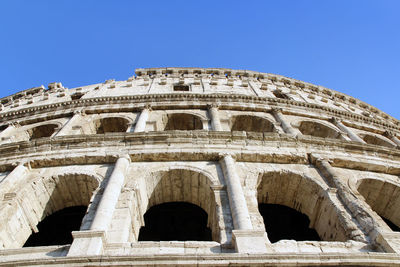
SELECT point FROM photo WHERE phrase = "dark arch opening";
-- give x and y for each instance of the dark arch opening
(180, 221)
(182, 121)
(250, 123)
(318, 130)
(56, 228)
(282, 222)
(111, 125)
(46, 130)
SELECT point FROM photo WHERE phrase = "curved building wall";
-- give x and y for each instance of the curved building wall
(240, 145)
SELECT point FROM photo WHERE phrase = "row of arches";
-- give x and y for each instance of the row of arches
(184, 121)
(182, 204)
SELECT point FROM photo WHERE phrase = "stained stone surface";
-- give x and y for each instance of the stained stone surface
(226, 142)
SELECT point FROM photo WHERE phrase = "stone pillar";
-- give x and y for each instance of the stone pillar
(215, 120)
(15, 177)
(359, 210)
(65, 130)
(285, 125)
(91, 242)
(345, 129)
(244, 237)
(392, 137)
(237, 202)
(141, 121)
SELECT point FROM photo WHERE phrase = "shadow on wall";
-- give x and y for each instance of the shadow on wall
(250, 123)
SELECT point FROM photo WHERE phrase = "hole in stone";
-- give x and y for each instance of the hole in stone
(282, 222)
(41, 131)
(181, 87)
(180, 221)
(181, 121)
(56, 228)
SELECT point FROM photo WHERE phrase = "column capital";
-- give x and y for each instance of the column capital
(389, 134)
(213, 105)
(276, 110)
(335, 120)
(222, 155)
(147, 106)
(80, 112)
(125, 156)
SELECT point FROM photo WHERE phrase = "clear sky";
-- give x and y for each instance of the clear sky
(351, 46)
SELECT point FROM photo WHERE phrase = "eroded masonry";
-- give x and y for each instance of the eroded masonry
(187, 166)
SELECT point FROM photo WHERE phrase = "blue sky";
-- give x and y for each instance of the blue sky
(351, 46)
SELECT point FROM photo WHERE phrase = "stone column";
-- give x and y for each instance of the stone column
(345, 129)
(91, 242)
(285, 125)
(392, 137)
(65, 130)
(141, 121)
(359, 210)
(16, 176)
(244, 237)
(215, 120)
(237, 202)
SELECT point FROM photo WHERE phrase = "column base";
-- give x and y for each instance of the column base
(250, 241)
(87, 243)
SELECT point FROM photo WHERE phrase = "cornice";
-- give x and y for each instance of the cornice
(191, 145)
(224, 100)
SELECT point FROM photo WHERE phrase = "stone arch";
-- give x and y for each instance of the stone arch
(383, 197)
(306, 196)
(182, 185)
(42, 130)
(251, 123)
(112, 124)
(377, 140)
(183, 121)
(39, 199)
(318, 129)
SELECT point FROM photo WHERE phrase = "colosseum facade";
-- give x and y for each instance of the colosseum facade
(190, 166)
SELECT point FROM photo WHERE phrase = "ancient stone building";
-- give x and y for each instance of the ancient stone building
(197, 166)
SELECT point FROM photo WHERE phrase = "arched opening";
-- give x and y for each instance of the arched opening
(56, 228)
(111, 125)
(250, 123)
(179, 193)
(183, 121)
(295, 197)
(318, 130)
(375, 140)
(282, 222)
(179, 221)
(383, 198)
(38, 201)
(41, 131)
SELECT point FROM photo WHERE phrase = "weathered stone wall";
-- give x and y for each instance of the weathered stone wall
(224, 140)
